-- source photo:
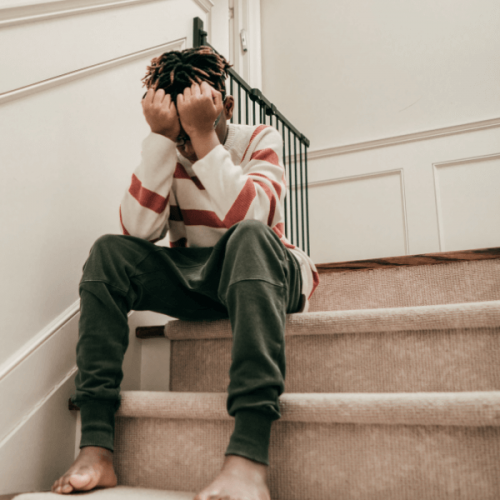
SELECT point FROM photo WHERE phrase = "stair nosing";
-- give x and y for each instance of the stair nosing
(484, 314)
(469, 409)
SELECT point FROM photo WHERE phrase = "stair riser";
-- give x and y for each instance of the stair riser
(319, 461)
(427, 361)
(453, 283)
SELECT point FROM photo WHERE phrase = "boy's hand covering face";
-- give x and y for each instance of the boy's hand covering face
(161, 114)
(198, 107)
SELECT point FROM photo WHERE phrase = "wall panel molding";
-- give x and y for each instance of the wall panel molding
(437, 194)
(380, 173)
(68, 77)
(401, 139)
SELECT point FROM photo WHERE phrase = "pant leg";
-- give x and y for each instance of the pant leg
(260, 283)
(124, 273)
(248, 274)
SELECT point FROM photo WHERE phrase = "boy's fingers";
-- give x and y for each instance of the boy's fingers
(171, 107)
(195, 89)
(206, 89)
(217, 97)
(159, 95)
(149, 96)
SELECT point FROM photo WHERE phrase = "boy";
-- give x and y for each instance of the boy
(220, 198)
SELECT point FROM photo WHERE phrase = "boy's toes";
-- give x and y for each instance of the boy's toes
(67, 488)
(79, 481)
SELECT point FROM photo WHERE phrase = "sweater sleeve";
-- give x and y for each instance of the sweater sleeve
(254, 190)
(145, 209)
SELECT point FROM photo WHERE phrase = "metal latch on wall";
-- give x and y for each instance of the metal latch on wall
(243, 38)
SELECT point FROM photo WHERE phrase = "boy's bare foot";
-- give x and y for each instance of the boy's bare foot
(239, 479)
(92, 468)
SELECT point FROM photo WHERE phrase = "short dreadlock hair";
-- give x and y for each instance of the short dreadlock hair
(174, 71)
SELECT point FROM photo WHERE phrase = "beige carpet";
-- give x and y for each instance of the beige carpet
(118, 493)
(392, 393)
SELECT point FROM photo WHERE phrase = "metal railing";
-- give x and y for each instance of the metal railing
(253, 108)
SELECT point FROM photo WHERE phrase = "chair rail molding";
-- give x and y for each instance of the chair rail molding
(42, 11)
(20, 12)
(401, 139)
(73, 75)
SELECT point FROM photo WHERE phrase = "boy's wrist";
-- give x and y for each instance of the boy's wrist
(203, 142)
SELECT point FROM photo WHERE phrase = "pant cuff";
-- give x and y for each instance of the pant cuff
(98, 424)
(251, 436)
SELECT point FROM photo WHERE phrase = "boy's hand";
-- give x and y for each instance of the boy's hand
(161, 114)
(199, 106)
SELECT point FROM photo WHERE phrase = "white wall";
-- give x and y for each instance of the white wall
(71, 127)
(355, 76)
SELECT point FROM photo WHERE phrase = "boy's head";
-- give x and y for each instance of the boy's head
(174, 71)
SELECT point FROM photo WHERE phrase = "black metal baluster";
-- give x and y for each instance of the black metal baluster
(239, 104)
(231, 91)
(291, 183)
(296, 188)
(302, 197)
(246, 104)
(286, 179)
(307, 201)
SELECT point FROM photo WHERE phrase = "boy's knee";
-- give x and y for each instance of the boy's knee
(106, 242)
(105, 249)
(255, 237)
(251, 228)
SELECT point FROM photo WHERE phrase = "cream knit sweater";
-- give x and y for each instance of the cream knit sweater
(196, 203)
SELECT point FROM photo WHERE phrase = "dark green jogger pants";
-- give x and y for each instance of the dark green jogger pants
(248, 277)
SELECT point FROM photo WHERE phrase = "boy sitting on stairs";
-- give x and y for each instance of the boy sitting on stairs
(217, 189)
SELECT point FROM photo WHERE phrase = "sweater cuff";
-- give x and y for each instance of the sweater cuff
(214, 157)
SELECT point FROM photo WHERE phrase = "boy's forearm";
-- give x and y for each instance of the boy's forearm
(204, 142)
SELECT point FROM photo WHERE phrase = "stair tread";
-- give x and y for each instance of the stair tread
(119, 492)
(481, 408)
(435, 317)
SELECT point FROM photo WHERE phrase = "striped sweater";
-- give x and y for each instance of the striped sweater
(196, 203)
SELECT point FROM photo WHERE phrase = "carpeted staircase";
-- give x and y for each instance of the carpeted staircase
(392, 391)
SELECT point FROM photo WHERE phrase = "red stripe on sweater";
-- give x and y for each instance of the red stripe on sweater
(235, 214)
(266, 154)
(180, 173)
(201, 218)
(180, 243)
(147, 198)
(272, 200)
(256, 132)
(241, 205)
(276, 185)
